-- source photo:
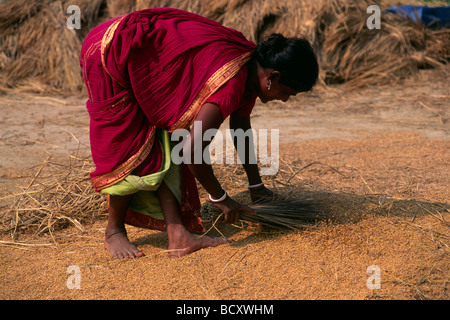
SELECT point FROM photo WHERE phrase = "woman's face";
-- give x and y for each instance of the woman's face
(271, 88)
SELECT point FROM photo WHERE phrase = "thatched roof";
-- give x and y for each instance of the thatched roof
(39, 53)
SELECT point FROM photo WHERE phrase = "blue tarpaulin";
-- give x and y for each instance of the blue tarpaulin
(429, 16)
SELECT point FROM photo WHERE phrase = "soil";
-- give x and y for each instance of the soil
(378, 156)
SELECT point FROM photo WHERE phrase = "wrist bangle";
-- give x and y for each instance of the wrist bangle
(256, 186)
(225, 195)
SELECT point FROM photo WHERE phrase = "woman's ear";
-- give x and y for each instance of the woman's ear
(274, 75)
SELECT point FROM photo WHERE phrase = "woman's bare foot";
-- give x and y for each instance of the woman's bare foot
(119, 246)
(116, 240)
(182, 242)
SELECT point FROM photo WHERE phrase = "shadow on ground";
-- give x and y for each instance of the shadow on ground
(331, 208)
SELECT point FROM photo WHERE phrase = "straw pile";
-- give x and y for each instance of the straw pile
(39, 53)
(349, 52)
(59, 195)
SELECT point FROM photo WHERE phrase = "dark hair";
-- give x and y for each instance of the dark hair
(294, 58)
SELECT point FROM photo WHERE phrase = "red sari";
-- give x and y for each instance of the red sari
(152, 69)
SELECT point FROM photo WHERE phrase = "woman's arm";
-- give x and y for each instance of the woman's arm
(238, 122)
(210, 117)
(251, 168)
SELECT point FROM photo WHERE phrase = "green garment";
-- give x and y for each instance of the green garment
(144, 189)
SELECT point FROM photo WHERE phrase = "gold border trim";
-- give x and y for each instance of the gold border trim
(106, 43)
(123, 170)
(219, 78)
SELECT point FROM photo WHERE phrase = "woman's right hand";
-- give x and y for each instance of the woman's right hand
(230, 209)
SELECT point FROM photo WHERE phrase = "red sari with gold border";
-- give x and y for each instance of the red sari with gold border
(152, 69)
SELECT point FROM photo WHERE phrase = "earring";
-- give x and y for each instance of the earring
(269, 84)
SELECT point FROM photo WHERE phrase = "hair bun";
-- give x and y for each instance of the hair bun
(277, 42)
(268, 49)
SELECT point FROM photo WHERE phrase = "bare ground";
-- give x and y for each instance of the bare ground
(377, 157)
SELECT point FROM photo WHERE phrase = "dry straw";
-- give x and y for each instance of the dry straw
(59, 195)
(352, 53)
(39, 53)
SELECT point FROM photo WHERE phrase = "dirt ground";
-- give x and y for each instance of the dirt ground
(379, 157)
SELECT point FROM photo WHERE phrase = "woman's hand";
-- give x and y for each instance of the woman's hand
(230, 209)
(262, 195)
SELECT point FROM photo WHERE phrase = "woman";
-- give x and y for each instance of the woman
(151, 72)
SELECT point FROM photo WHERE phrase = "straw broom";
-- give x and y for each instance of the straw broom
(281, 214)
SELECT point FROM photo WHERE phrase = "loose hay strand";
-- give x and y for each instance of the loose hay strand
(50, 203)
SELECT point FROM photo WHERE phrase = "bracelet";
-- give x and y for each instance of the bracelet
(256, 186)
(225, 195)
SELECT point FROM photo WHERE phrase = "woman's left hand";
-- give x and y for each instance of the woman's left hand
(262, 195)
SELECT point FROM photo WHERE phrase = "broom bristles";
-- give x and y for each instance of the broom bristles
(278, 214)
